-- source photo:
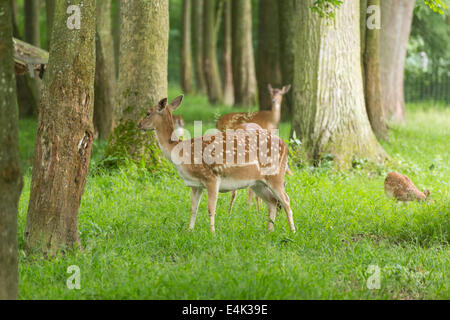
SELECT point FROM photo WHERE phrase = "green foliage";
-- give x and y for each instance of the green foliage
(326, 8)
(133, 226)
(127, 144)
(436, 5)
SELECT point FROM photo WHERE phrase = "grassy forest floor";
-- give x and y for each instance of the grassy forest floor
(133, 226)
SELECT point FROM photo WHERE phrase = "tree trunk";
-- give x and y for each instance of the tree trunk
(396, 20)
(268, 60)
(104, 71)
(144, 43)
(210, 66)
(244, 77)
(32, 27)
(197, 37)
(64, 136)
(32, 36)
(227, 66)
(329, 111)
(287, 13)
(16, 33)
(10, 176)
(372, 80)
(50, 11)
(116, 33)
(186, 53)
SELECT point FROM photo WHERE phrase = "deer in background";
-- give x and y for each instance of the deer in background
(401, 188)
(262, 119)
(267, 119)
(226, 175)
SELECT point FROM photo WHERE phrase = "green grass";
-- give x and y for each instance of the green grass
(133, 227)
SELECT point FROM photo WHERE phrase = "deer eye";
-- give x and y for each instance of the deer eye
(148, 113)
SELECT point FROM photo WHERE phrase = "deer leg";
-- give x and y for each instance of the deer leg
(272, 215)
(213, 191)
(233, 197)
(277, 188)
(264, 193)
(195, 201)
(251, 194)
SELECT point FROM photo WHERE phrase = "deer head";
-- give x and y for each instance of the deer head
(161, 114)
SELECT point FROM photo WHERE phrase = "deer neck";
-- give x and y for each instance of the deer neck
(164, 131)
(276, 111)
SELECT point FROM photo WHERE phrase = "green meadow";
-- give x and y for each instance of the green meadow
(133, 226)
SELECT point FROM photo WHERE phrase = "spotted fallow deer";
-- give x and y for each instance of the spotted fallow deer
(268, 119)
(263, 119)
(226, 172)
(400, 187)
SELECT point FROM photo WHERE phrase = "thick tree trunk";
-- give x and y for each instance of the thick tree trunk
(104, 71)
(144, 43)
(10, 176)
(329, 111)
(372, 80)
(210, 66)
(64, 136)
(186, 51)
(244, 76)
(50, 11)
(227, 67)
(268, 60)
(197, 38)
(116, 33)
(396, 20)
(287, 12)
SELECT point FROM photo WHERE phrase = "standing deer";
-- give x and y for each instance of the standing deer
(267, 119)
(224, 174)
(263, 119)
(401, 188)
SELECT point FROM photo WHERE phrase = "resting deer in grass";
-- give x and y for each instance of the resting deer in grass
(401, 188)
(211, 162)
(263, 119)
(267, 119)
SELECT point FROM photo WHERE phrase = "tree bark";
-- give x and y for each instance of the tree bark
(50, 12)
(32, 36)
(144, 43)
(268, 60)
(329, 111)
(116, 33)
(287, 13)
(16, 33)
(372, 80)
(396, 20)
(197, 37)
(186, 50)
(10, 175)
(210, 66)
(227, 66)
(104, 71)
(64, 136)
(244, 77)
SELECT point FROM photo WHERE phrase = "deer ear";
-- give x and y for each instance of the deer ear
(162, 104)
(176, 102)
(286, 89)
(269, 86)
